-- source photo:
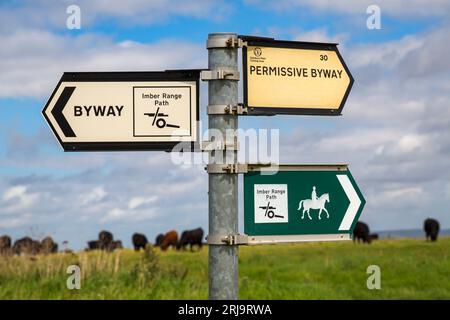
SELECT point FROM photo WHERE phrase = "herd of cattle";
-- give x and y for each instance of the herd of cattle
(105, 242)
(362, 232)
(170, 239)
(27, 246)
(191, 238)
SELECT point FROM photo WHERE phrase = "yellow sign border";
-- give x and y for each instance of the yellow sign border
(271, 43)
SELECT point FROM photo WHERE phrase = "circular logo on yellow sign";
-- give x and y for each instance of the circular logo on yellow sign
(257, 51)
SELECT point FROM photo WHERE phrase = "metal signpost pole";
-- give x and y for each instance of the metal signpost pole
(223, 187)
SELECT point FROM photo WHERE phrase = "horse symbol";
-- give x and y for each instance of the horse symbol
(314, 204)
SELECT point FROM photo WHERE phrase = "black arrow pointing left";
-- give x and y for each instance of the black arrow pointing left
(57, 112)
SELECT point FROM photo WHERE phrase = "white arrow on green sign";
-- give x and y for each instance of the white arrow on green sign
(301, 203)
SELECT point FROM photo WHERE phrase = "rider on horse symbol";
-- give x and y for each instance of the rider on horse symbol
(314, 196)
(314, 203)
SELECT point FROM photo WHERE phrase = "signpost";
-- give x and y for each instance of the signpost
(105, 111)
(301, 203)
(125, 111)
(290, 77)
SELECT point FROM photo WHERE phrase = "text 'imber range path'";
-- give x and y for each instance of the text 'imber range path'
(162, 99)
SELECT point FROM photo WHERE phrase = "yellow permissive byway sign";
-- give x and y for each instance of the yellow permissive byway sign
(295, 78)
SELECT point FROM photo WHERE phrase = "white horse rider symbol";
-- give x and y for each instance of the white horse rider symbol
(269, 212)
(314, 203)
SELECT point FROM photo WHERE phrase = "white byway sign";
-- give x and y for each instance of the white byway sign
(124, 111)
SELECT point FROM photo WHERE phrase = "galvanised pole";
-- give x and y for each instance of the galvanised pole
(223, 187)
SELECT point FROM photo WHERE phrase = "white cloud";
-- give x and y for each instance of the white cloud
(136, 202)
(116, 213)
(411, 142)
(52, 14)
(14, 192)
(14, 222)
(32, 62)
(173, 188)
(410, 192)
(397, 8)
(96, 195)
(18, 198)
(320, 35)
(120, 215)
(385, 54)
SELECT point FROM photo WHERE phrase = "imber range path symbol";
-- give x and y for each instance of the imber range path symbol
(102, 111)
(270, 212)
(271, 203)
(335, 194)
(159, 121)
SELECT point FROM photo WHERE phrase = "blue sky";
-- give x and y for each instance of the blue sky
(395, 124)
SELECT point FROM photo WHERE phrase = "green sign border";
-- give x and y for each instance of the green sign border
(269, 176)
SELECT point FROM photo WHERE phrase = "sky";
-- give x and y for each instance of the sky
(394, 132)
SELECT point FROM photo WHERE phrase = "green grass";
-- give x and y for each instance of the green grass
(410, 269)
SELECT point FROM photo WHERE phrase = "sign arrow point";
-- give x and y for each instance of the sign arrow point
(355, 202)
(57, 112)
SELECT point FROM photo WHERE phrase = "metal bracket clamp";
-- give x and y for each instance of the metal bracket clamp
(225, 41)
(220, 145)
(227, 168)
(230, 240)
(227, 109)
(220, 74)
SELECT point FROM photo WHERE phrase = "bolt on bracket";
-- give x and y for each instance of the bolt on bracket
(231, 168)
(220, 74)
(228, 109)
(229, 240)
(220, 145)
(225, 41)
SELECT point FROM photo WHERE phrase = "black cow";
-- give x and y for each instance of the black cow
(431, 227)
(139, 241)
(5, 244)
(48, 246)
(115, 245)
(361, 232)
(105, 242)
(105, 239)
(26, 246)
(159, 240)
(191, 237)
(93, 245)
(373, 236)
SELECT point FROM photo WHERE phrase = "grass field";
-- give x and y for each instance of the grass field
(410, 269)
